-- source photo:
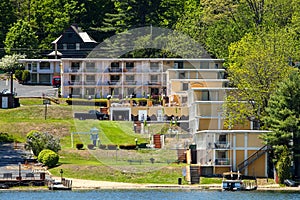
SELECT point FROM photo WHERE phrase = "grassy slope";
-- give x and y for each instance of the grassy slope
(81, 164)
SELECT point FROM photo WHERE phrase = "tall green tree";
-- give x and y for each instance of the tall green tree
(21, 39)
(7, 18)
(283, 119)
(51, 17)
(255, 65)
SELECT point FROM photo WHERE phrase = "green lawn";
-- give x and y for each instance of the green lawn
(91, 164)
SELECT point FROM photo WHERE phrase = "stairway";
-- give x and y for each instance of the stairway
(253, 158)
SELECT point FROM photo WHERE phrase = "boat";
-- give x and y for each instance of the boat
(233, 181)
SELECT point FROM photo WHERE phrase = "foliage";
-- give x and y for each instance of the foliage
(283, 118)
(256, 64)
(42, 154)
(38, 141)
(25, 76)
(7, 17)
(18, 74)
(79, 146)
(9, 63)
(21, 39)
(5, 137)
(48, 158)
(283, 165)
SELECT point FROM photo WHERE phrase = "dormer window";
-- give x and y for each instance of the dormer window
(77, 46)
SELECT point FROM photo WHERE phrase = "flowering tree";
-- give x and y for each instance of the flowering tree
(38, 141)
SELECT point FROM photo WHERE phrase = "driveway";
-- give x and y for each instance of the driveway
(29, 90)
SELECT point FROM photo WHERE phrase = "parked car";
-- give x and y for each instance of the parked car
(99, 115)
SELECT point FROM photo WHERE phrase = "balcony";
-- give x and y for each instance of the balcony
(130, 83)
(114, 70)
(222, 145)
(113, 82)
(222, 161)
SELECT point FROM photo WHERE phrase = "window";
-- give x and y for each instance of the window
(90, 91)
(205, 95)
(90, 67)
(178, 65)
(154, 78)
(114, 78)
(29, 66)
(90, 78)
(154, 66)
(185, 86)
(204, 65)
(65, 46)
(44, 78)
(130, 78)
(75, 91)
(34, 67)
(129, 66)
(75, 66)
(181, 75)
(75, 78)
(77, 46)
(114, 65)
(216, 66)
(44, 65)
(221, 75)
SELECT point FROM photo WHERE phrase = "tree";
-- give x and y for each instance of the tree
(7, 18)
(50, 17)
(9, 64)
(255, 65)
(21, 39)
(283, 165)
(38, 141)
(283, 119)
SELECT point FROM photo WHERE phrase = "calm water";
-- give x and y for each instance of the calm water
(145, 195)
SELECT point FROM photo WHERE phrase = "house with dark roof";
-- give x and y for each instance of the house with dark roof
(73, 43)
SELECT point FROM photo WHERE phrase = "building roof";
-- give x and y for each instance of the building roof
(83, 35)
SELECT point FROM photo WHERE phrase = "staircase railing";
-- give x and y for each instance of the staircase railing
(252, 158)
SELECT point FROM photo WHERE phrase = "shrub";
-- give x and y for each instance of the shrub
(79, 146)
(128, 147)
(48, 158)
(111, 147)
(90, 146)
(42, 154)
(5, 137)
(25, 76)
(37, 141)
(102, 146)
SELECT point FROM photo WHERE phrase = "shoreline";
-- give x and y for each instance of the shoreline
(80, 184)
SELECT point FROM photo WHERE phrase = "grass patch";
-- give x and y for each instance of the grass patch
(205, 180)
(112, 166)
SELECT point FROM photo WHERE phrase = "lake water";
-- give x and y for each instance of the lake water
(145, 195)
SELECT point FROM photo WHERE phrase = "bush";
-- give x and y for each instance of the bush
(5, 137)
(48, 158)
(90, 146)
(42, 154)
(111, 147)
(37, 141)
(79, 146)
(128, 147)
(102, 146)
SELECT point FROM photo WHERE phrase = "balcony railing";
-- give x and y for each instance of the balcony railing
(222, 161)
(221, 145)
